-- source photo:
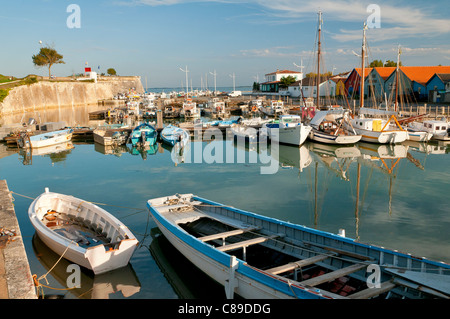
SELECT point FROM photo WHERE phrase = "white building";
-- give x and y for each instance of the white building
(272, 80)
(309, 88)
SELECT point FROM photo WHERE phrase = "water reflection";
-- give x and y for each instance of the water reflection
(123, 280)
(73, 116)
(187, 281)
(57, 153)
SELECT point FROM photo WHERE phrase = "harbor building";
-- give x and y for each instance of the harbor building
(273, 80)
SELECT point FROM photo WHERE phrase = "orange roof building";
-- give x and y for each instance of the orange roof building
(352, 84)
(375, 81)
(413, 80)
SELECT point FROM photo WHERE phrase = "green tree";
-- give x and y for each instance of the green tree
(390, 63)
(312, 74)
(47, 57)
(286, 81)
(111, 71)
(255, 86)
(376, 64)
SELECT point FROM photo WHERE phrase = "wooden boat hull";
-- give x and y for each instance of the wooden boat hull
(99, 258)
(47, 139)
(175, 214)
(322, 137)
(109, 137)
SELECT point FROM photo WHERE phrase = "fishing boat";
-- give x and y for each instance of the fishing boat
(111, 136)
(258, 257)
(171, 112)
(81, 232)
(327, 127)
(143, 134)
(216, 108)
(378, 126)
(45, 139)
(439, 129)
(275, 108)
(190, 109)
(289, 130)
(173, 134)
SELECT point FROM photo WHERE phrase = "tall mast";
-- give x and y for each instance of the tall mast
(363, 57)
(396, 79)
(318, 60)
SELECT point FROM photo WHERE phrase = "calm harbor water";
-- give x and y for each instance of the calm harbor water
(396, 197)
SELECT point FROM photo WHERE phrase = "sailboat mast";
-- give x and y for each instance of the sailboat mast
(318, 60)
(396, 79)
(363, 56)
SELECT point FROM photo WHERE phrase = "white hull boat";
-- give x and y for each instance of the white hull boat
(82, 232)
(376, 126)
(325, 128)
(290, 130)
(418, 136)
(45, 139)
(258, 257)
(173, 134)
(439, 128)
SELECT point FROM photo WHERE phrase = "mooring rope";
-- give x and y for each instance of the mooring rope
(96, 203)
(37, 282)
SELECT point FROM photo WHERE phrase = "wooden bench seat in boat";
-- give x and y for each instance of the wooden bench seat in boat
(333, 275)
(373, 292)
(246, 243)
(228, 234)
(298, 264)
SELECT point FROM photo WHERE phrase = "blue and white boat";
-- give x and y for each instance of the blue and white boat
(45, 139)
(327, 129)
(258, 257)
(143, 135)
(173, 134)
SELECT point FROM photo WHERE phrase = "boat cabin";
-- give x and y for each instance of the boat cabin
(290, 120)
(369, 124)
(435, 126)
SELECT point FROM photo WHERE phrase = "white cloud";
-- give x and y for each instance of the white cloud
(398, 20)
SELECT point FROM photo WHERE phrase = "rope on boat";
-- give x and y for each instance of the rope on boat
(96, 203)
(39, 285)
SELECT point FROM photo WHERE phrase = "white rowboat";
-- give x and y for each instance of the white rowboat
(81, 232)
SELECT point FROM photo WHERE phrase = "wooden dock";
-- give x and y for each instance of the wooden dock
(16, 281)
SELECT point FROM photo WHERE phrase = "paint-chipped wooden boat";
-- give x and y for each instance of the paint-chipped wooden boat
(81, 232)
(260, 257)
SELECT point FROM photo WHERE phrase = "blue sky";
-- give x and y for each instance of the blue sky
(154, 38)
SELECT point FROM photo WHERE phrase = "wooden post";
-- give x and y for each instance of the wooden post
(231, 284)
